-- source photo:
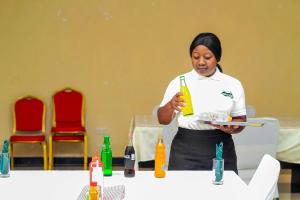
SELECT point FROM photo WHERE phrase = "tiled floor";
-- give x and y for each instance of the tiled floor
(283, 182)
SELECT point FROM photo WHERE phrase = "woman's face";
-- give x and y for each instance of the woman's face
(204, 61)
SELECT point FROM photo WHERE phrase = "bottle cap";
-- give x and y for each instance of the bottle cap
(181, 77)
(160, 140)
(93, 183)
(95, 157)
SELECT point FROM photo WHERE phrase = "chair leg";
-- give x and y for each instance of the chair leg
(45, 155)
(50, 152)
(85, 152)
(11, 153)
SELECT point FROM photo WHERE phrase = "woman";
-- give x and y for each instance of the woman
(193, 147)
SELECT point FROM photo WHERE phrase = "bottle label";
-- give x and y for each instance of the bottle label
(132, 156)
(129, 161)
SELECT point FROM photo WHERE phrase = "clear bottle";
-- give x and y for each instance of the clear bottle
(106, 157)
(160, 159)
(188, 108)
(129, 160)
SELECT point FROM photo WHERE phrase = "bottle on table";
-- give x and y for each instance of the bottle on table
(160, 159)
(93, 192)
(96, 179)
(106, 157)
(129, 160)
(188, 108)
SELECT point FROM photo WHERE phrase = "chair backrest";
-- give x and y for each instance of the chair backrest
(68, 108)
(264, 181)
(29, 114)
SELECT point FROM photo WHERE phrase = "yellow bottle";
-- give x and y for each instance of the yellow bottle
(93, 193)
(160, 159)
(188, 108)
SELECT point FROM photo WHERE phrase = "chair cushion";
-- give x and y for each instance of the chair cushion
(68, 123)
(27, 138)
(68, 129)
(68, 137)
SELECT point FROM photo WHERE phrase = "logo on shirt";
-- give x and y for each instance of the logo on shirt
(227, 94)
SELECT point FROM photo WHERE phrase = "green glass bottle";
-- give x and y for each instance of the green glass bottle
(106, 157)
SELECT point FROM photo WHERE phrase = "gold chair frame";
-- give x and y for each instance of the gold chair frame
(85, 148)
(43, 143)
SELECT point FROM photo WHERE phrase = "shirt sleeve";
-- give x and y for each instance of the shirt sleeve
(239, 105)
(171, 90)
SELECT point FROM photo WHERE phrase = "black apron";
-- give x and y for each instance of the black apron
(195, 149)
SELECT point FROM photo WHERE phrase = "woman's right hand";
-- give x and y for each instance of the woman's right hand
(166, 113)
(177, 102)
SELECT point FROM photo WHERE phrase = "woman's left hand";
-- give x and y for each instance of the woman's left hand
(227, 128)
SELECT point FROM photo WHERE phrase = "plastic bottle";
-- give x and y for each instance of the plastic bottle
(96, 179)
(93, 193)
(106, 157)
(160, 158)
(188, 108)
(129, 160)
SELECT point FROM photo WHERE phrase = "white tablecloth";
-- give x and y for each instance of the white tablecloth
(67, 185)
(288, 147)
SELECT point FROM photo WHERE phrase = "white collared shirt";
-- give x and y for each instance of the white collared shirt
(218, 93)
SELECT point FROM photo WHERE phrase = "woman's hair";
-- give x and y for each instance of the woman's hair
(212, 42)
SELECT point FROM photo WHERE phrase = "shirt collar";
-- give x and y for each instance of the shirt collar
(216, 76)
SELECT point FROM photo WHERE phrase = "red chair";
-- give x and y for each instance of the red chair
(29, 125)
(68, 121)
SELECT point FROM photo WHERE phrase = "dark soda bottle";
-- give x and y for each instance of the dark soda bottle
(129, 160)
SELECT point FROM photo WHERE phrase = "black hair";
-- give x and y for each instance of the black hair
(212, 42)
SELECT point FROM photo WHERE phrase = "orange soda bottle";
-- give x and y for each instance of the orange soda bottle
(160, 158)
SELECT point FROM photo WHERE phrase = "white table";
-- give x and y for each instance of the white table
(67, 185)
(288, 146)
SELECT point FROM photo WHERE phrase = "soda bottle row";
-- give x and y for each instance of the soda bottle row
(129, 158)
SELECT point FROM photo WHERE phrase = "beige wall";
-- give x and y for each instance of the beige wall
(122, 54)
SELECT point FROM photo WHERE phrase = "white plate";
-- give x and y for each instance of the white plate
(234, 123)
